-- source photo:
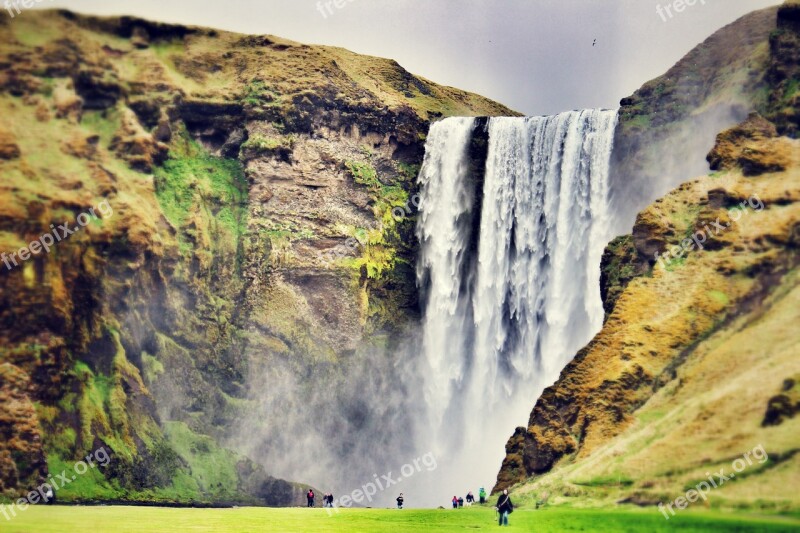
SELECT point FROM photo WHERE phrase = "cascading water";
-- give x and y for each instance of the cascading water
(510, 284)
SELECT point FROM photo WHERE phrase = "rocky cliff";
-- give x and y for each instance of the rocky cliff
(667, 127)
(696, 364)
(257, 215)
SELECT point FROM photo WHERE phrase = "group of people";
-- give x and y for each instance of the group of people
(458, 501)
(327, 498)
(504, 505)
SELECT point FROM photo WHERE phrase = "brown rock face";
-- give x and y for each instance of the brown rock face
(783, 75)
(750, 146)
(785, 405)
(135, 145)
(8, 146)
(22, 459)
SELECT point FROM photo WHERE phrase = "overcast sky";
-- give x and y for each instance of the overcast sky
(536, 56)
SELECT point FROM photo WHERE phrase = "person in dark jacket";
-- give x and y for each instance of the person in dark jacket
(400, 501)
(310, 497)
(504, 508)
(455, 502)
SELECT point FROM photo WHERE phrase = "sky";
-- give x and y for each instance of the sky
(535, 56)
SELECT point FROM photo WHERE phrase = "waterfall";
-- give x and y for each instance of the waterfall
(443, 267)
(509, 271)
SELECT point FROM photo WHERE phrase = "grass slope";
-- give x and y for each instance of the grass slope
(153, 520)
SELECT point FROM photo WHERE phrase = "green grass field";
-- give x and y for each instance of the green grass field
(114, 519)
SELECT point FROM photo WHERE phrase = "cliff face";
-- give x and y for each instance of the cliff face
(667, 127)
(696, 364)
(257, 212)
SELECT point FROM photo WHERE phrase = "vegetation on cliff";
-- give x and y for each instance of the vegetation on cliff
(225, 160)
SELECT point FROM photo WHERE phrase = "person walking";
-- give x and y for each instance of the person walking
(400, 501)
(470, 498)
(460, 501)
(310, 497)
(455, 502)
(482, 495)
(504, 508)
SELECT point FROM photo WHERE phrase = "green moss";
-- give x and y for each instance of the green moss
(153, 368)
(792, 88)
(59, 440)
(391, 208)
(212, 468)
(647, 417)
(194, 183)
(256, 93)
(89, 486)
(639, 121)
(263, 145)
(409, 172)
(720, 297)
(774, 34)
(103, 123)
(606, 481)
(364, 174)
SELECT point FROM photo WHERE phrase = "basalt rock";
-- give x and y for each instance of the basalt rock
(133, 144)
(784, 405)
